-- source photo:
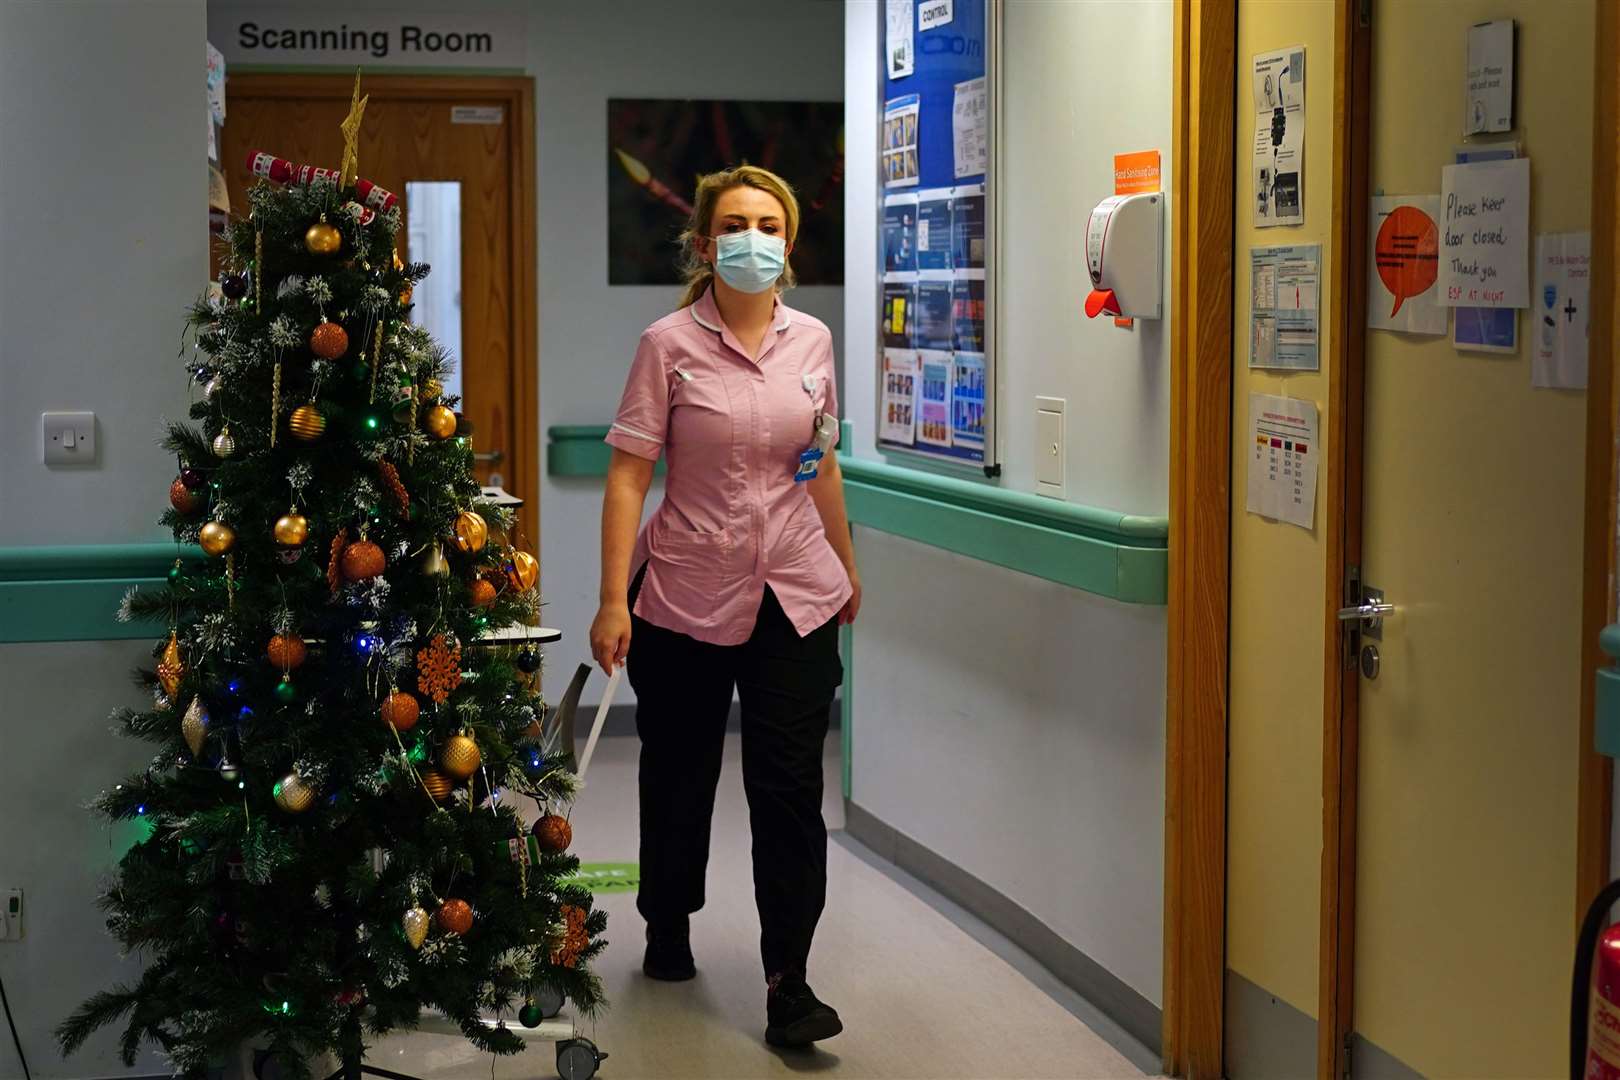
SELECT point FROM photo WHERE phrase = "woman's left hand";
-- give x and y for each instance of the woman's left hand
(852, 607)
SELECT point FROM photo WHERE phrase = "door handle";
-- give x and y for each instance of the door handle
(493, 457)
(1369, 615)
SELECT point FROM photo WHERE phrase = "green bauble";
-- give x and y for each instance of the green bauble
(530, 1015)
(286, 692)
(176, 572)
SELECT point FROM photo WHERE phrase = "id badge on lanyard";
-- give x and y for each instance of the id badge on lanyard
(810, 458)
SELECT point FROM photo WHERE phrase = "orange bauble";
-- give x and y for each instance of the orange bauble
(328, 341)
(455, 916)
(400, 710)
(183, 499)
(286, 651)
(362, 560)
(553, 832)
(483, 593)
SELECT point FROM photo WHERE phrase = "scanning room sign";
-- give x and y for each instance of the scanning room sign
(267, 33)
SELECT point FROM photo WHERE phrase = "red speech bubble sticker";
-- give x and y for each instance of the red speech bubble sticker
(1407, 253)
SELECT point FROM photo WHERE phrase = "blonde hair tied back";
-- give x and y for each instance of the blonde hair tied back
(698, 272)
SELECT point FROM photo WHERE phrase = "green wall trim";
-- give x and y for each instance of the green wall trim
(1606, 721)
(1121, 556)
(578, 450)
(72, 593)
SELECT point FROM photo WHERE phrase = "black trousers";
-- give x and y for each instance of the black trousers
(684, 690)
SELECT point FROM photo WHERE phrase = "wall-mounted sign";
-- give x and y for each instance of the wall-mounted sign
(266, 33)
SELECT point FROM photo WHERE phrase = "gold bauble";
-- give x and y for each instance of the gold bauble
(460, 757)
(292, 529)
(322, 239)
(415, 925)
(483, 593)
(307, 423)
(294, 794)
(437, 784)
(434, 564)
(217, 538)
(432, 390)
(471, 532)
(172, 666)
(524, 571)
(194, 726)
(224, 444)
(440, 421)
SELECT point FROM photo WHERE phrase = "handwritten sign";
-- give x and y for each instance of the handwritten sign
(1485, 234)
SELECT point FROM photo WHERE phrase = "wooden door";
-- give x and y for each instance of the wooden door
(1470, 517)
(474, 131)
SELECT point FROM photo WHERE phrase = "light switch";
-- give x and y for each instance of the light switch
(1049, 448)
(68, 438)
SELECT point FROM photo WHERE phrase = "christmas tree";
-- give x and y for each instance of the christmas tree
(331, 839)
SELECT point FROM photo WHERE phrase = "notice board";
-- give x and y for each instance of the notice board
(937, 370)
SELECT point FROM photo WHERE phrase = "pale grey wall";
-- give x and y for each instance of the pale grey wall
(103, 230)
(103, 221)
(1014, 726)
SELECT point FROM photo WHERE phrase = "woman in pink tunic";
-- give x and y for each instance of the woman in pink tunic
(737, 584)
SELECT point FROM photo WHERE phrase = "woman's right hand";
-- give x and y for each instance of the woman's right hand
(610, 635)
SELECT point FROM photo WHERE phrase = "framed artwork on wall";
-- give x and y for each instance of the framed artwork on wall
(658, 148)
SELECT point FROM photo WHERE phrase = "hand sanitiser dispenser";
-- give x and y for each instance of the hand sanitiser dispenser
(1124, 249)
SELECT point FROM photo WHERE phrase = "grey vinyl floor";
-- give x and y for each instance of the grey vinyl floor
(920, 998)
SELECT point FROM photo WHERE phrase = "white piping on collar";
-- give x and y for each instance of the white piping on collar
(702, 322)
(781, 325)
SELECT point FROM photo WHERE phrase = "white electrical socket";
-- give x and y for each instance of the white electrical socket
(68, 438)
(11, 915)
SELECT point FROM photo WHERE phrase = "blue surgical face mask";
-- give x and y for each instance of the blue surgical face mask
(749, 261)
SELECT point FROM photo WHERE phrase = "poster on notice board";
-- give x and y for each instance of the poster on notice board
(936, 392)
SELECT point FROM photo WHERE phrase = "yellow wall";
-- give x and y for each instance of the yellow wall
(1275, 780)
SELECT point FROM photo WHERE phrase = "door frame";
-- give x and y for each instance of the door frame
(516, 94)
(1203, 174)
(1346, 382)
(1341, 684)
(1595, 792)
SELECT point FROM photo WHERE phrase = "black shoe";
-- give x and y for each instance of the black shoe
(669, 953)
(795, 1017)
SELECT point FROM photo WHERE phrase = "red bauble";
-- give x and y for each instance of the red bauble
(553, 832)
(286, 651)
(455, 916)
(483, 593)
(329, 341)
(401, 710)
(362, 560)
(185, 500)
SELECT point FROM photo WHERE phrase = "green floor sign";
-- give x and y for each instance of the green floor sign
(607, 877)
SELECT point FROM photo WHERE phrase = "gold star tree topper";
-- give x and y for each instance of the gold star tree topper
(350, 168)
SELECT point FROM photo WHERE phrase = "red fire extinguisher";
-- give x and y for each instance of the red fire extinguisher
(1594, 1020)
